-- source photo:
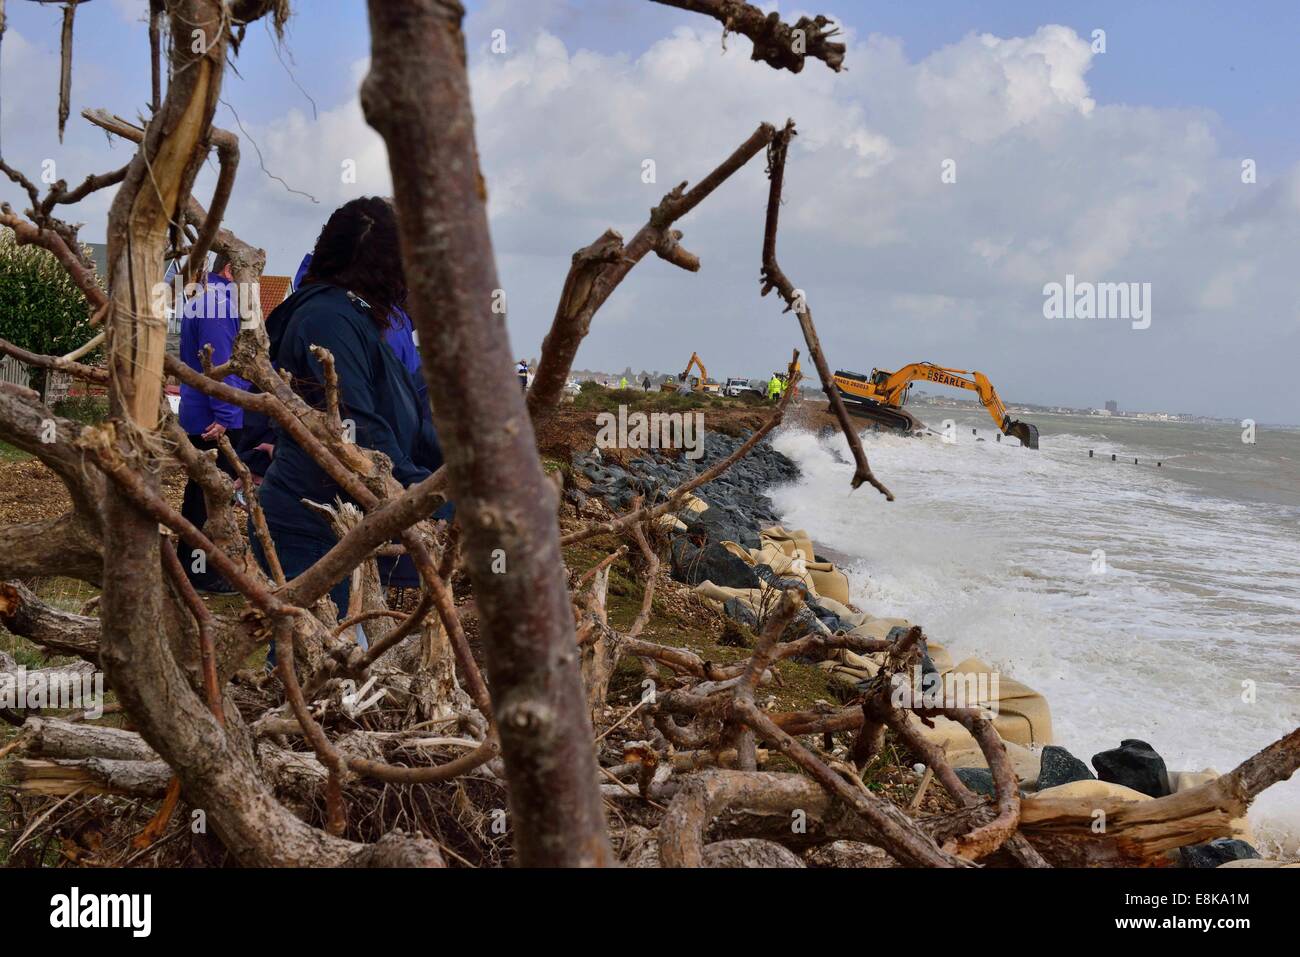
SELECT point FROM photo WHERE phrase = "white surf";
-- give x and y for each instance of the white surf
(996, 551)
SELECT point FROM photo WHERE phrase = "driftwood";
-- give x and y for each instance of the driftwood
(284, 765)
(57, 631)
(778, 44)
(1107, 832)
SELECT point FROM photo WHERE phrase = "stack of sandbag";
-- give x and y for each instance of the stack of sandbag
(691, 505)
(784, 557)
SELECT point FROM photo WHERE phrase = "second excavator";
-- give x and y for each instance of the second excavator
(704, 383)
(881, 396)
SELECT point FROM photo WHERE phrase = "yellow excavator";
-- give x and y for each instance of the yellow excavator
(881, 396)
(706, 385)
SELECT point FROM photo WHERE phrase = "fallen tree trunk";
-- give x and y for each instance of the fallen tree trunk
(57, 631)
(139, 779)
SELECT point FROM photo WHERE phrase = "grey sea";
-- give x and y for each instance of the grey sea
(1152, 602)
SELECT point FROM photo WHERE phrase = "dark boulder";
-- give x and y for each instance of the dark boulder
(1134, 764)
(711, 563)
(1214, 853)
(717, 525)
(739, 612)
(1059, 766)
(979, 780)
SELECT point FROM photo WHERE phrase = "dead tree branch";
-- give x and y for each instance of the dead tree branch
(417, 97)
(778, 44)
(598, 269)
(774, 278)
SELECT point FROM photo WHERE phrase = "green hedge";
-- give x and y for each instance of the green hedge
(41, 308)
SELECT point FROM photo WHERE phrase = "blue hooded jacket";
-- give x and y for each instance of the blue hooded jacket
(212, 318)
(400, 334)
(376, 392)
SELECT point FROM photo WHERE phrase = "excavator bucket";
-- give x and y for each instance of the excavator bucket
(1026, 433)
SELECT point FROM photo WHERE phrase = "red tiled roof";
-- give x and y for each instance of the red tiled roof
(274, 290)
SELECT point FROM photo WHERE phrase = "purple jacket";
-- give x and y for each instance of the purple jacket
(212, 318)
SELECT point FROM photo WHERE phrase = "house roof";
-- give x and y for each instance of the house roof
(274, 290)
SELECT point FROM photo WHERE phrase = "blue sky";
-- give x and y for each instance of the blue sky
(1119, 166)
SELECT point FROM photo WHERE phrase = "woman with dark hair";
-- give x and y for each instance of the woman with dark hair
(345, 304)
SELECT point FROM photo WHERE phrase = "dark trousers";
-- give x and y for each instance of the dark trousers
(297, 553)
(195, 509)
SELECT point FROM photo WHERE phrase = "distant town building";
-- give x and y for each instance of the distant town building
(1112, 406)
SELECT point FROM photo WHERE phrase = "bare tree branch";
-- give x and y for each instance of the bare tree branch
(417, 97)
(779, 45)
(774, 278)
(598, 269)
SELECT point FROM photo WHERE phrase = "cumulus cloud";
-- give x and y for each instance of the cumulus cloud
(898, 264)
(1048, 183)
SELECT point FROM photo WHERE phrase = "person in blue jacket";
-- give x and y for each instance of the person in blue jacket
(345, 304)
(399, 333)
(210, 318)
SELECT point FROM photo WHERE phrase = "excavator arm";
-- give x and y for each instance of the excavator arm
(889, 389)
(695, 361)
(706, 386)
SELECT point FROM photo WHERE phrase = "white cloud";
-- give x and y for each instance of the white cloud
(898, 265)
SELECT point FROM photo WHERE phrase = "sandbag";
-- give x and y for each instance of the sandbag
(829, 581)
(1024, 761)
(789, 555)
(1091, 790)
(1256, 862)
(878, 628)
(1185, 780)
(939, 656)
(789, 542)
(962, 751)
(716, 595)
(693, 504)
(1022, 714)
(783, 565)
(947, 734)
(740, 551)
